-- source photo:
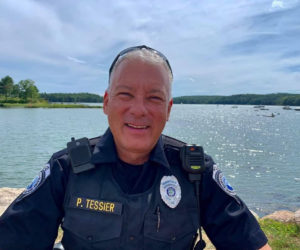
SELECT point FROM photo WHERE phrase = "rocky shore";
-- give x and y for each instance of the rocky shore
(7, 195)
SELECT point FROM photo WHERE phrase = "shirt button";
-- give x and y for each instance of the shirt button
(89, 238)
(131, 237)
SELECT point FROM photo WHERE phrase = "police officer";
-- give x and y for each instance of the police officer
(134, 193)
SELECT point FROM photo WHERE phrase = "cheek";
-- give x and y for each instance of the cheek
(116, 112)
(160, 114)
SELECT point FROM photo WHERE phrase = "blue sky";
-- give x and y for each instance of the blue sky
(215, 47)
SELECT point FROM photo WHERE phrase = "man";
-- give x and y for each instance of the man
(133, 194)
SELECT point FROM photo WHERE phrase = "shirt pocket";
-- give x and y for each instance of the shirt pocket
(86, 229)
(173, 229)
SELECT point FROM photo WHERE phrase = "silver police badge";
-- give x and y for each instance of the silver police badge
(170, 191)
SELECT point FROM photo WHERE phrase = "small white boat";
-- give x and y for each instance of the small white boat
(286, 108)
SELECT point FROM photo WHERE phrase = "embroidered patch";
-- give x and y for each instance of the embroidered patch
(221, 180)
(101, 206)
(36, 182)
(46, 170)
(170, 191)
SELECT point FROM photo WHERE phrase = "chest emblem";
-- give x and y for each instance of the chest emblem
(170, 191)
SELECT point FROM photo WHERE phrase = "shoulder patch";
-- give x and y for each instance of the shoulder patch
(222, 182)
(36, 182)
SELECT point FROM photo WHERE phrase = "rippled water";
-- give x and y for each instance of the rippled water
(259, 155)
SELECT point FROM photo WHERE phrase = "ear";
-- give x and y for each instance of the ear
(105, 102)
(170, 104)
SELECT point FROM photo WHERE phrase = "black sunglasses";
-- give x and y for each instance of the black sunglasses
(125, 51)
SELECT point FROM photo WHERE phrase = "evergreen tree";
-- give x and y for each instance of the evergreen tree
(16, 90)
(6, 86)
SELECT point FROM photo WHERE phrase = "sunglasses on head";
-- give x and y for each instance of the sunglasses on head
(130, 49)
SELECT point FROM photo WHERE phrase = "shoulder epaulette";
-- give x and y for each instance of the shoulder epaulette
(209, 162)
(59, 153)
(170, 141)
(94, 141)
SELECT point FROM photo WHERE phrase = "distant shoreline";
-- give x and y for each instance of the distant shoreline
(46, 105)
(75, 105)
(274, 99)
(278, 99)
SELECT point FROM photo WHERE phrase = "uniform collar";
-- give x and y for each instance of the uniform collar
(158, 154)
(105, 151)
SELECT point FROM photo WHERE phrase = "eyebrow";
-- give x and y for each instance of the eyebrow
(153, 91)
(123, 87)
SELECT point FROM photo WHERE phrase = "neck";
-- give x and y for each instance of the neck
(134, 158)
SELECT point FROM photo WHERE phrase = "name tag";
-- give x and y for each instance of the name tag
(96, 205)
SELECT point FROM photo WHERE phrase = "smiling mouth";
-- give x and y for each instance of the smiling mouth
(136, 126)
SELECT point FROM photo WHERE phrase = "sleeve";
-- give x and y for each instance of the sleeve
(32, 220)
(226, 219)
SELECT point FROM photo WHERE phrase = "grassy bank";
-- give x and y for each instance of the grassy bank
(45, 105)
(281, 235)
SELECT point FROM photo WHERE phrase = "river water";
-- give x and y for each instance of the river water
(259, 155)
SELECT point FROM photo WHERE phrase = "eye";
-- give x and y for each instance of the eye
(125, 95)
(156, 98)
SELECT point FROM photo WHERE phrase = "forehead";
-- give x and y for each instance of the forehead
(144, 53)
(132, 71)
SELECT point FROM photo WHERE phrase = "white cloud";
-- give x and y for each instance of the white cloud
(192, 79)
(73, 59)
(277, 4)
(235, 46)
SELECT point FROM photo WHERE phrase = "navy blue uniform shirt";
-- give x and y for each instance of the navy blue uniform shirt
(32, 220)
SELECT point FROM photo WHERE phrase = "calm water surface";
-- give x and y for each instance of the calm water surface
(259, 155)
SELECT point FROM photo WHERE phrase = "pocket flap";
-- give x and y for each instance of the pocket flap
(93, 226)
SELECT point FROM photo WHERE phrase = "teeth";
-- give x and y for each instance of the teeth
(136, 126)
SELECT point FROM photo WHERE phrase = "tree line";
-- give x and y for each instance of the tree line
(26, 91)
(283, 99)
(23, 91)
(71, 97)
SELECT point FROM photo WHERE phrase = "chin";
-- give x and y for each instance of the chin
(140, 147)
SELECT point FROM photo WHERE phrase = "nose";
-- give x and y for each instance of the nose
(138, 107)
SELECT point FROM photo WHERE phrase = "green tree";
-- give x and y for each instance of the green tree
(32, 92)
(28, 90)
(16, 90)
(6, 86)
(71, 97)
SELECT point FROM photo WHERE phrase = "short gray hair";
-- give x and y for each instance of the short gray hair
(146, 55)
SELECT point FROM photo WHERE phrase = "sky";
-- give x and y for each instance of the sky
(215, 47)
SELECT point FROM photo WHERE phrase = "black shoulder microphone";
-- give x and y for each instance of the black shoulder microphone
(192, 159)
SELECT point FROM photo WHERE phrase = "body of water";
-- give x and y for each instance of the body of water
(259, 155)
